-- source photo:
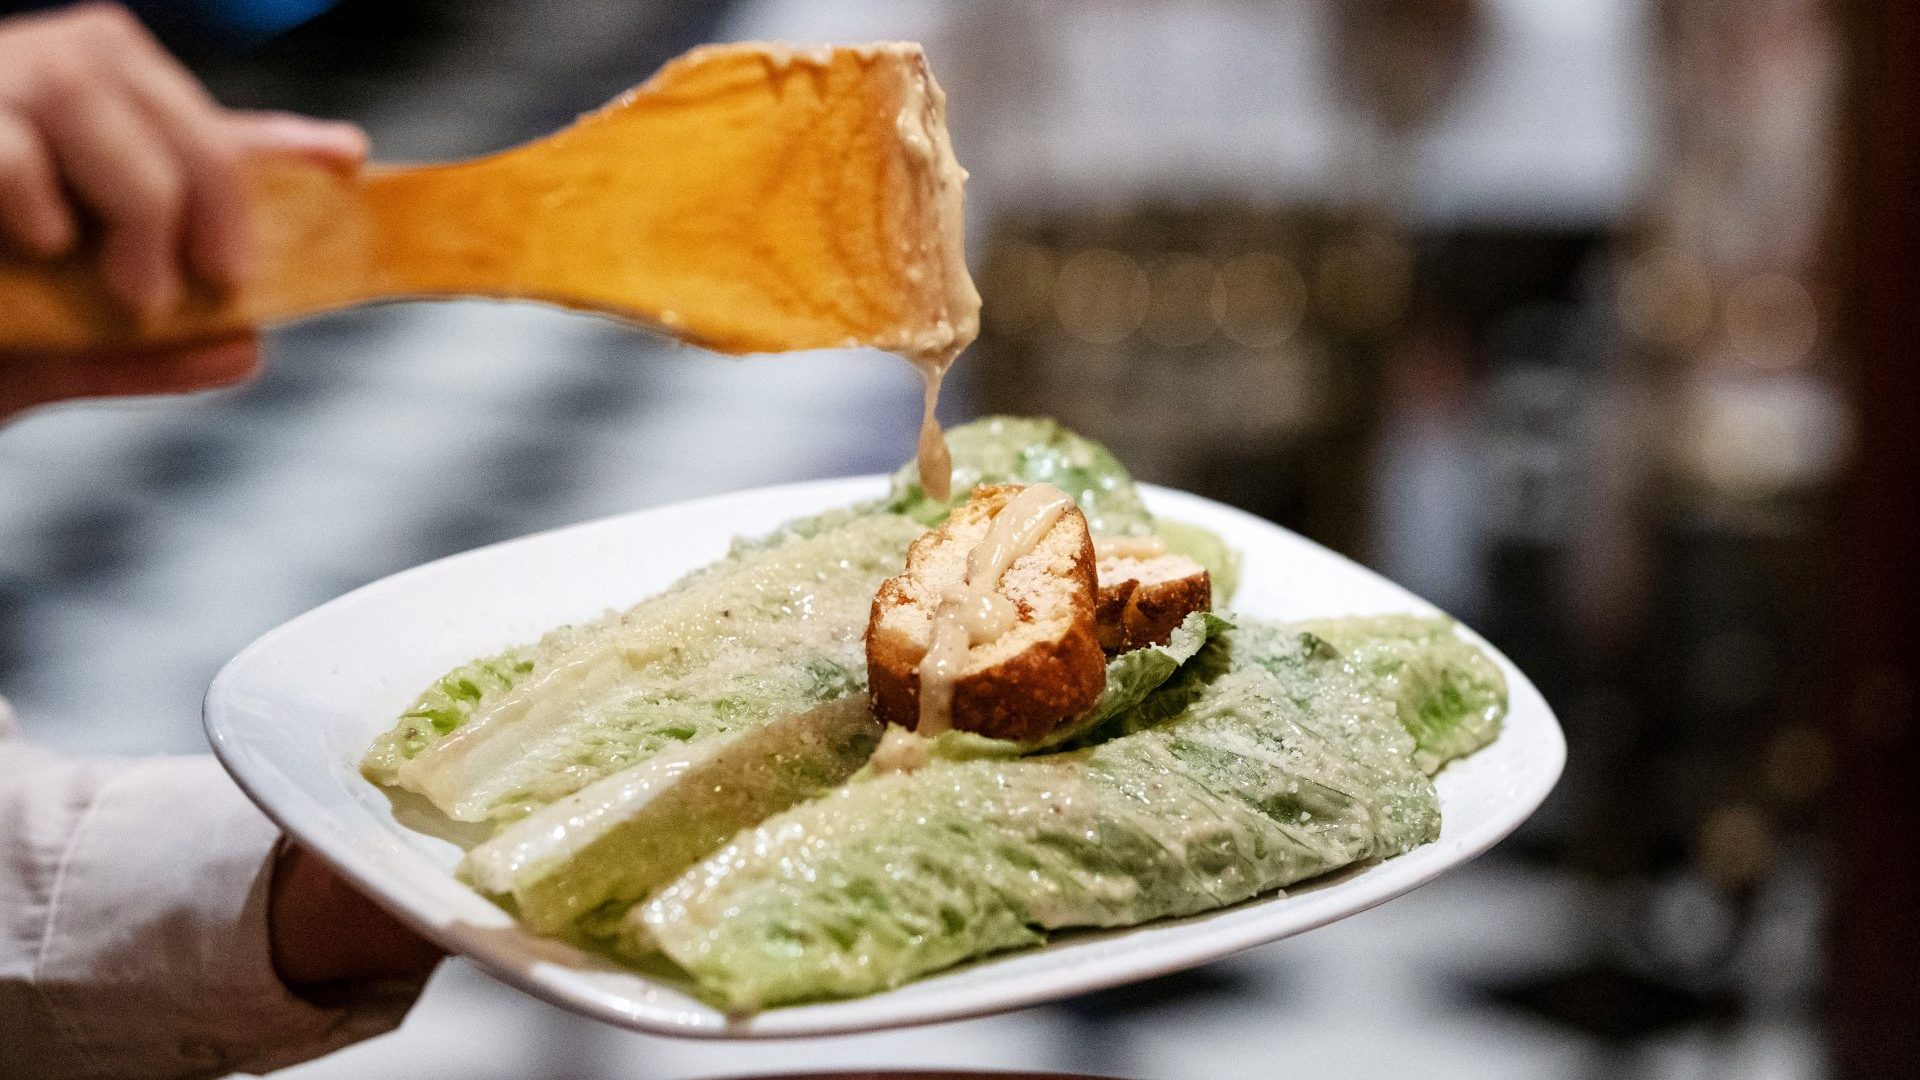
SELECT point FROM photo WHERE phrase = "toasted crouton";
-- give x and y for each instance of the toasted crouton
(1046, 666)
(1143, 599)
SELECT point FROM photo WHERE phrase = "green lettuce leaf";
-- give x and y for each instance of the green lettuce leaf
(772, 630)
(1131, 676)
(806, 528)
(580, 862)
(1451, 696)
(901, 750)
(454, 697)
(1285, 763)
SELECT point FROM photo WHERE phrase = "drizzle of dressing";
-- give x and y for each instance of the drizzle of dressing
(946, 655)
(985, 614)
(936, 461)
(973, 612)
(1128, 547)
(1016, 528)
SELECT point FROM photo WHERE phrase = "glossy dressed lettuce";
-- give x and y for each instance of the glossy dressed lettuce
(772, 630)
(577, 863)
(449, 701)
(1133, 676)
(1272, 756)
(1450, 695)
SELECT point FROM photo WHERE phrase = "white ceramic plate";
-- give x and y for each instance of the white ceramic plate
(291, 715)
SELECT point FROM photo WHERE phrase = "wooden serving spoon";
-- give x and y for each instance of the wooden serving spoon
(748, 198)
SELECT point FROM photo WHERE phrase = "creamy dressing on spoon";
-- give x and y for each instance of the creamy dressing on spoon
(974, 612)
(938, 254)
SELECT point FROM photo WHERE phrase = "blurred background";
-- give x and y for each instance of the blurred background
(1584, 318)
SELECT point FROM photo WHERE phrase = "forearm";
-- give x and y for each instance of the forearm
(135, 928)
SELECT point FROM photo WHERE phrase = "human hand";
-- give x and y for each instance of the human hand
(323, 932)
(103, 133)
(109, 146)
(29, 379)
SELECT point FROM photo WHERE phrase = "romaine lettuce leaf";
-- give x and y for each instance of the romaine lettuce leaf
(772, 630)
(454, 697)
(578, 863)
(1450, 695)
(805, 528)
(1131, 676)
(1283, 760)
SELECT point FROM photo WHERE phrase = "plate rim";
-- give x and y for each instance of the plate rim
(279, 796)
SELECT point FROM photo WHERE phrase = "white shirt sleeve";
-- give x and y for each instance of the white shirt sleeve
(133, 926)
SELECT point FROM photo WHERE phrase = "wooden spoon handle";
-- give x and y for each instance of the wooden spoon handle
(326, 239)
(314, 230)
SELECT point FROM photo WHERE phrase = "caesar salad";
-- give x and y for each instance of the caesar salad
(898, 736)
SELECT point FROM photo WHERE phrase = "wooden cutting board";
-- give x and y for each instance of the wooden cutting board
(748, 198)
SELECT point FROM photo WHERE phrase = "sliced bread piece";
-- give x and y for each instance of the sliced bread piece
(1045, 666)
(1143, 598)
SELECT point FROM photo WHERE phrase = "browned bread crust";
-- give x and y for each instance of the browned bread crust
(1047, 668)
(1142, 601)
